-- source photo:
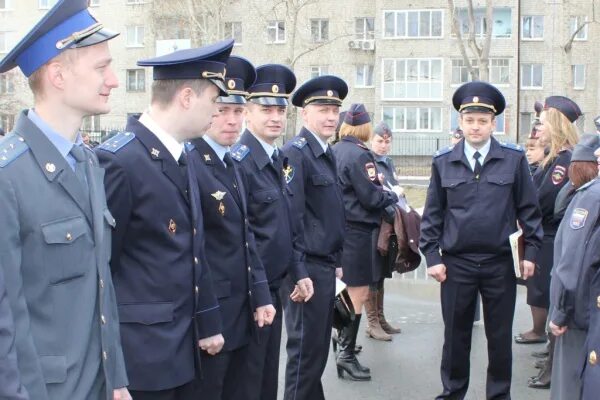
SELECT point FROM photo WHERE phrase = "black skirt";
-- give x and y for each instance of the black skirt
(361, 262)
(538, 286)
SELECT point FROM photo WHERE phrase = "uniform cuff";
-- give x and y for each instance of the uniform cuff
(530, 253)
(261, 294)
(208, 322)
(559, 318)
(299, 271)
(433, 259)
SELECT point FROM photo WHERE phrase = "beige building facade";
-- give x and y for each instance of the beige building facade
(399, 57)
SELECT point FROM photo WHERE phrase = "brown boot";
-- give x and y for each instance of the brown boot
(383, 323)
(374, 330)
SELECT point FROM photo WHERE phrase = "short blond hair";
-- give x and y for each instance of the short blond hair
(164, 90)
(562, 134)
(35, 80)
(362, 132)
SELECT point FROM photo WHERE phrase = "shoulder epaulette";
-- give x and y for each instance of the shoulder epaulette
(239, 151)
(189, 146)
(511, 146)
(443, 151)
(362, 146)
(117, 142)
(299, 142)
(11, 147)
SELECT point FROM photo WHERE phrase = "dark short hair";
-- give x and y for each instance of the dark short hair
(164, 90)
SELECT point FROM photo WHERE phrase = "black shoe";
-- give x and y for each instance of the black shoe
(346, 360)
(334, 345)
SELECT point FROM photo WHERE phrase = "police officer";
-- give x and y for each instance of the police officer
(318, 206)
(55, 236)
(479, 189)
(167, 307)
(239, 277)
(262, 165)
(576, 256)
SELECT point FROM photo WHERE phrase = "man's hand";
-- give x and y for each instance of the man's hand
(121, 394)
(437, 272)
(527, 269)
(264, 315)
(339, 273)
(557, 330)
(303, 290)
(213, 344)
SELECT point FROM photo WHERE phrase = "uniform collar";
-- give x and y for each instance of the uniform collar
(256, 150)
(219, 150)
(269, 149)
(173, 146)
(62, 144)
(319, 140)
(470, 150)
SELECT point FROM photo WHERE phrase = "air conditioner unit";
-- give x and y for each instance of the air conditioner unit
(368, 45)
(355, 44)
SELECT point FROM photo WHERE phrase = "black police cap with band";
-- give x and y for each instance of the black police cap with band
(239, 76)
(67, 25)
(326, 89)
(273, 85)
(478, 96)
(206, 62)
(566, 106)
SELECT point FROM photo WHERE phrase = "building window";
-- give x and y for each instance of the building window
(318, 70)
(7, 122)
(532, 27)
(460, 72)
(575, 23)
(276, 32)
(136, 80)
(6, 42)
(319, 30)
(578, 76)
(135, 36)
(499, 71)
(7, 84)
(501, 17)
(412, 79)
(5, 5)
(364, 28)
(500, 122)
(413, 119)
(532, 76)
(525, 124)
(364, 75)
(413, 24)
(46, 4)
(233, 30)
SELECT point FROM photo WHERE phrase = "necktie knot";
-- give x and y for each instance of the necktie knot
(476, 155)
(182, 159)
(78, 153)
(275, 155)
(228, 160)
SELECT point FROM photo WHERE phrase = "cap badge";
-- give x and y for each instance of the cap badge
(330, 93)
(275, 89)
(231, 84)
(475, 99)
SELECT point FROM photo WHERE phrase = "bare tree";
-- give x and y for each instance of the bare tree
(567, 47)
(474, 47)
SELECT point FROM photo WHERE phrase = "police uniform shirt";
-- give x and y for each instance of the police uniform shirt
(470, 151)
(269, 148)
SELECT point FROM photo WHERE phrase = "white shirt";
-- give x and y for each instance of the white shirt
(323, 144)
(173, 146)
(470, 150)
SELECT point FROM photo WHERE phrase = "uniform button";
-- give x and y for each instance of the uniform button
(194, 231)
(101, 284)
(598, 301)
(593, 358)
(105, 355)
(195, 260)
(235, 186)
(246, 221)
(411, 241)
(196, 289)
(103, 319)
(69, 236)
(249, 269)
(250, 292)
(246, 244)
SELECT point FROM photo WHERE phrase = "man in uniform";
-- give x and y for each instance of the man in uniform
(239, 277)
(479, 190)
(55, 234)
(269, 210)
(319, 206)
(167, 307)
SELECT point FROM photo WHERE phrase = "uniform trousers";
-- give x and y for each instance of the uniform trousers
(187, 391)
(495, 281)
(308, 327)
(262, 365)
(222, 375)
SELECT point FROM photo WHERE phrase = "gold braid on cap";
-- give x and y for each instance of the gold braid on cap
(237, 92)
(463, 106)
(77, 36)
(267, 94)
(212, 75)
(310, 99)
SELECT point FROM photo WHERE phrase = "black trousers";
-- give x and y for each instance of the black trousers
(496, 283)
(261, 373)
(308, 327)
(188, 391)
(222, 374)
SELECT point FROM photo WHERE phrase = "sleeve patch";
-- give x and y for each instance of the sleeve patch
(371, 171)
(11, 147)
(117, 142)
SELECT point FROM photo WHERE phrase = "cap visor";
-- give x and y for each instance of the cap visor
(97, 37)
(232, 99)
(270, 101)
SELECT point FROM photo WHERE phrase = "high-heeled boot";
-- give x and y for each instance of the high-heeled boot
(346, 359)
(387, 328)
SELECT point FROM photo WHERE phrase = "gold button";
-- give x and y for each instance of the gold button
(196, 289)
(246, 244)
(105, 355)
(195, 260)
(103, 319)
(69, 236)
(593, 359)
(101, 284)
(250, 292)
(246, 221)
(598, 301)
(194, 231)
(249, 269)
(114, 221)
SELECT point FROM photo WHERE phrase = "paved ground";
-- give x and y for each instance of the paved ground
(408, 367)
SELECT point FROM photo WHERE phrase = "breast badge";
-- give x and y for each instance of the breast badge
(578, 218)
(172, 226)
(218, 195)
(288, 173)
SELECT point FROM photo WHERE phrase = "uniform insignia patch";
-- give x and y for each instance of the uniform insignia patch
(11, 147)
(172, 226)
(288, 173)
(221, 208)
(578, 218)
(50, 167)
(155, 152)
(299, 142)
(511, 146)
(218, 195)
(117, 142)
(558, 174)
(206, 157)
(371, 171)
(239, 152)
(443, 151)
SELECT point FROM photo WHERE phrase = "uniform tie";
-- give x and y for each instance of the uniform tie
(228, 160)
(478, 167)
(183, 165)
(78, 154)
(277, 161)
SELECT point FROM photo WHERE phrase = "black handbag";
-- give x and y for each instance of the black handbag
(343, 311)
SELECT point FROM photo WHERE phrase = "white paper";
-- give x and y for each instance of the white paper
(514, 248)
(339, 286)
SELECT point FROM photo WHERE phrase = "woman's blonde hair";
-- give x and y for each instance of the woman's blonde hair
(561, 132)
(361, 132)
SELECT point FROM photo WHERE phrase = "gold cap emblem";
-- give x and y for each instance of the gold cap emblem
(475, 99)
(275, 89)
(593, 359)
(330, 93)
(231, 84)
